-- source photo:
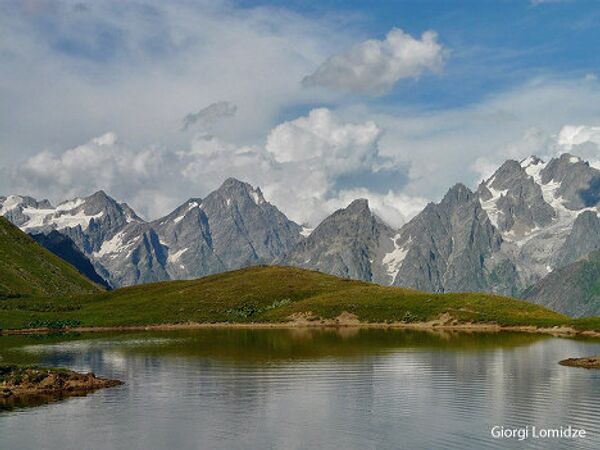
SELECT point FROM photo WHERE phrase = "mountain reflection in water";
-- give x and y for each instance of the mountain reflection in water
(307, 388)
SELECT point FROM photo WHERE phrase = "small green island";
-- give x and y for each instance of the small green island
(26, 385)
(592, 362)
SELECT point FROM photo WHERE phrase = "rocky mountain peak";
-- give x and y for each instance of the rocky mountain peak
(530, 161)
(510, 173)
(352, 242)
(234, 191)
(101, 195)
(513, 198)
(13, 202)
(357, 215)
(98, 201)
(459, 193)
(561, 167)
(18, 208)
(573, 181)
(358, 206)
(233, 182)
(445, 247)
(181, 211)
(235, 185)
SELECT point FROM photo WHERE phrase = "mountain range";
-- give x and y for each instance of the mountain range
(513, 235)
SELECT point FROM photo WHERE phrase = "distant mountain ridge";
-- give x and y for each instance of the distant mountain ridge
(528, 219)
(232, 227)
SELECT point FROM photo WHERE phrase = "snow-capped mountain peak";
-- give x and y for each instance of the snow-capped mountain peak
(531, 161)
(31, 215)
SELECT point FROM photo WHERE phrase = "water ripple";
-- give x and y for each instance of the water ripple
(247, 393)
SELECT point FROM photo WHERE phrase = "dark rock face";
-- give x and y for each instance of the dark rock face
(579, 183)
(573, 290)
(187, 235)
(350, 243)
(63, 247)
(447, 245)
(232, 227)
(245, 228)
(133, 256)
(583, 239)
(520, 205)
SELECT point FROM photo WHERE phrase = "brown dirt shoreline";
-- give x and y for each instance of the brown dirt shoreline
(345, 319)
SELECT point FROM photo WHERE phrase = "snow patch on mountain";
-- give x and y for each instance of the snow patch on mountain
(115, 246)
(490, 205)
(306, 231)
(257, 197)
(11, 202)
(175, 256)
(533, 167)
(70, 204)
(57, 219)
(393, 260)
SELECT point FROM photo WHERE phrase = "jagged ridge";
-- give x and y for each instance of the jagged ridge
(527, 219)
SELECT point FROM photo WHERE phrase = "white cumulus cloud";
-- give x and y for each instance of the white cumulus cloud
(581, 140)
(374, 66)
(322, 138)
(573, 135)
(297, 169)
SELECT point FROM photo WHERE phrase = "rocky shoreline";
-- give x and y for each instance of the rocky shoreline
(20, 386)
(591, 362)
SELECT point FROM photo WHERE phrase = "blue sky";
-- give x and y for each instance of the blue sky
(317, 102)
(494, 44)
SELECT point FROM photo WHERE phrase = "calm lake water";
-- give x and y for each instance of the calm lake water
(322, 389)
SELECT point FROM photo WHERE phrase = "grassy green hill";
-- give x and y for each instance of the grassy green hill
(27, 269)
(272, 294)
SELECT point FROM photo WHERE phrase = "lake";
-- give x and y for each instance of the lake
(307, 388)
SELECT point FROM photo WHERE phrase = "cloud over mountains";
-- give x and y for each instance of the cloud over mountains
(75, 76)
(298, 168)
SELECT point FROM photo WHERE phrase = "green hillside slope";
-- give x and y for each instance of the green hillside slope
(28, 269)
(270, 294)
